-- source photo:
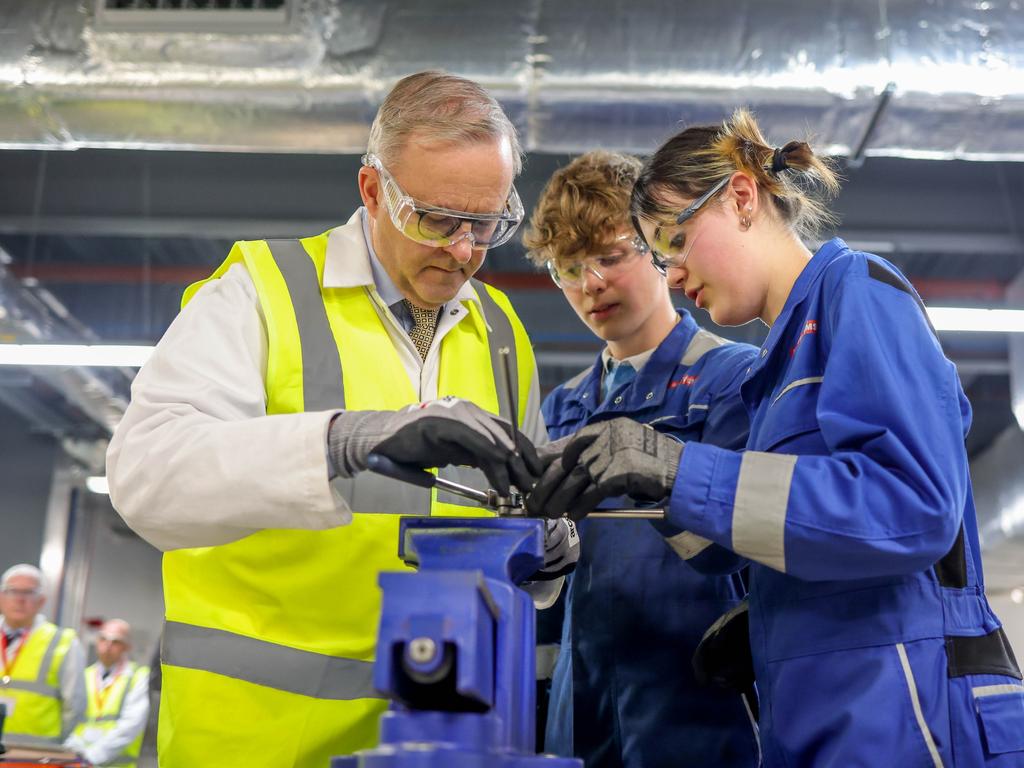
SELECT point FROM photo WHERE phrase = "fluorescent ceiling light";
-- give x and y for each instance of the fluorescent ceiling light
(133, 356)
(969, 319)
(97, 484)
(92, 355)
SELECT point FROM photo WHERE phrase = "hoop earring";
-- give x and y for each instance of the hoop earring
(745, 220)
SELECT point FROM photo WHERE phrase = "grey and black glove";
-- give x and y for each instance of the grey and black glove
(561, 550)
(611, 458)
(434, 434)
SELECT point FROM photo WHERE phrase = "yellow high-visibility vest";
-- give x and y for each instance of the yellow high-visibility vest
(105, 707)
(33, 685)
(269, 641)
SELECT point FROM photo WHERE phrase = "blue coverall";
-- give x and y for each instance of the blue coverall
(872, 640)
(624, 692)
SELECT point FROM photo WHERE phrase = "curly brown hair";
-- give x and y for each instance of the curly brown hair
(582, 207)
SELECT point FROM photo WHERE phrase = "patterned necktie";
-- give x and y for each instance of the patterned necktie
(617, 377)
(424, 323)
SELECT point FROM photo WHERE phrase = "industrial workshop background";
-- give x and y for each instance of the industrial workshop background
(139, 138)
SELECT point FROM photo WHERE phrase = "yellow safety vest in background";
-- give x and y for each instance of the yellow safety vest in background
(269, 641)
(105, 707)
(34, 686)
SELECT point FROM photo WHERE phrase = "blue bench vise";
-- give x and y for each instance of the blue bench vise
(456, 648)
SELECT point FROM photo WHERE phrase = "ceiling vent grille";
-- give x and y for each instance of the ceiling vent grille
(198, 16)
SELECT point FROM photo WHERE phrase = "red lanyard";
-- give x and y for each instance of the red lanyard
(101, 691)
(9, 665)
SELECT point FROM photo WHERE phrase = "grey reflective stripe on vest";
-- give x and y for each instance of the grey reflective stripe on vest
(132, 669)
(44, 665)
(322, 384)
(371, 493)
(701, 343)
(501, 335)
(268, 664)
(32, 687)
(468, 476)
(14, 740)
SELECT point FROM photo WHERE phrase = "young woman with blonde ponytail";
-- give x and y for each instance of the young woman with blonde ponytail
(872, 641)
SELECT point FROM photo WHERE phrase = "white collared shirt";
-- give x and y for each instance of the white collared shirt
(196, 460)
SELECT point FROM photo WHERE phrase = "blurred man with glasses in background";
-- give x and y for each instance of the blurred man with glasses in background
(623, 691)
(242, 454)
(41, 683)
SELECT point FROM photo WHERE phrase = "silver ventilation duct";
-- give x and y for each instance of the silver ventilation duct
(573, 74)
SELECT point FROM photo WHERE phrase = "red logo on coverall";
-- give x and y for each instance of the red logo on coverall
(686, 381)
(811, 326)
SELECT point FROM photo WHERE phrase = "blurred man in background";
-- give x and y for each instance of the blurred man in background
(41, 683)
(118, 696)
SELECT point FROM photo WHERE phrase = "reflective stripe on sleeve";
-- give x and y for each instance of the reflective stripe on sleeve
(687, 545)
(759, 510)
(268, 664)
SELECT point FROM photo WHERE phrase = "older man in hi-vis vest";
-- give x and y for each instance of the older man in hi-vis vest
(242, 454)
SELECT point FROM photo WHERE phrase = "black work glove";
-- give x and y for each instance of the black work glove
(435, 434)
(611, 458)
(723, 655)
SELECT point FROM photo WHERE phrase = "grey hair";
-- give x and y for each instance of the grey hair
(440, 107)
(22, 569)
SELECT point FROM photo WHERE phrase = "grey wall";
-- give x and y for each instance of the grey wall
(123, 578)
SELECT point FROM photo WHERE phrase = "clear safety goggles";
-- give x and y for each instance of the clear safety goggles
(27, 594)
(625, 251)
(442, 227)
(668, 242)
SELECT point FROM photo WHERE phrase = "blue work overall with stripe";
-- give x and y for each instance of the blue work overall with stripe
(269, 641)
(872, 640)
(623, 691)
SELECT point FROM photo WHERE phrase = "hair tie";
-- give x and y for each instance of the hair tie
(779, 160)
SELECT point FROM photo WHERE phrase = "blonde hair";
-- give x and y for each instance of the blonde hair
(796, 181)
(582, 206)
(437, 106)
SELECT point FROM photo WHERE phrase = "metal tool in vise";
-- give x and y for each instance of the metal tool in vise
(505, 506)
